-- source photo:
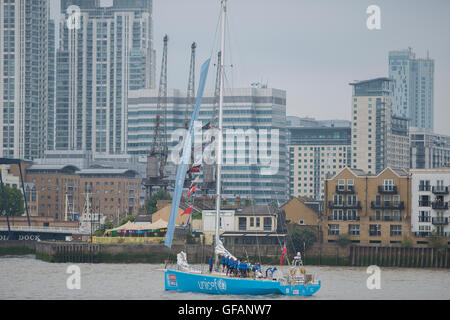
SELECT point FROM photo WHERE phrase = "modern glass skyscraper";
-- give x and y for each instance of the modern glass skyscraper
(246, 110)
(107, 53)
(413, 88)
(25, 105)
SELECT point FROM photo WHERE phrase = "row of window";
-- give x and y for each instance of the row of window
(374, 230)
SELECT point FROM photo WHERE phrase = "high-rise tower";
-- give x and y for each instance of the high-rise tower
(413, 88)
(25, 105)
(106, 54)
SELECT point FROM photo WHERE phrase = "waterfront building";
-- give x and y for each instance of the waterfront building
(303, 212)
(60, 188)
(254, 225)
(379, 138)
(413, 88)
(429, 150)
(430, 202)
(246, 110)
(107, 53)
(26, 78)
(368, 208)
(314, 152)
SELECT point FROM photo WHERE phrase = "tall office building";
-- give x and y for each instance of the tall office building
(104, 54)
(379, 139)
(429, 150)
(244, 109)
(314, 153)
(413, 88)
(25, 105)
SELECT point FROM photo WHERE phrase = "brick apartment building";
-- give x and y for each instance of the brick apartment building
(371, 209)
(114, 193)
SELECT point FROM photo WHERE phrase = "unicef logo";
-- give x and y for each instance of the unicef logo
(222, 285)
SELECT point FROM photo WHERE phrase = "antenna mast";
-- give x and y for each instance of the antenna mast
(220, 128)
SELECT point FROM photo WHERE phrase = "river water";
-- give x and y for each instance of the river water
(24, 277)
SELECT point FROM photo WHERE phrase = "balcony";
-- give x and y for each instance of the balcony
(439, 221)
(385, 218)
(344, 205)
(440, 190)
(422, 234)
(341, 189)
(439, 205)
(331, 218)
(387, 189)
(387, 205)
(424, 203)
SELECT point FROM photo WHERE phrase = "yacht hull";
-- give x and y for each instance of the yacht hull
(216, 284)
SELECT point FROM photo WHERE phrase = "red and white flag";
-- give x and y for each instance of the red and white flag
(282, 254)
(187, 211)
(192, 190)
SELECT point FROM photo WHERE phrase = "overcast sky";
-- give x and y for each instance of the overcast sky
(311, 48)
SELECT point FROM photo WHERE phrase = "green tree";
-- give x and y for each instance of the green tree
(437, 241)
(126, 219)
(150, 203)
(14, 201)
(273, 204)
(101, 231)
(406, 243)
(302, 238)
(344, 240)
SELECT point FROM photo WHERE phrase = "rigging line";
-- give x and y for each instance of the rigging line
(216, 38)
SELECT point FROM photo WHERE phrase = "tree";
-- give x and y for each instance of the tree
(101, 231)
(126, 219)
(302, 238)
(437, 241)
(150, 203)
(344, 240)
(14, 201)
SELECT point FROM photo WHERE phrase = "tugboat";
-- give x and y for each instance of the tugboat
(185, 278)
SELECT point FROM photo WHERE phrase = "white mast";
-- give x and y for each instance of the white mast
(220, 140)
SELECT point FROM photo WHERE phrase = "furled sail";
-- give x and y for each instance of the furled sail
(185, 158)
(221, 251)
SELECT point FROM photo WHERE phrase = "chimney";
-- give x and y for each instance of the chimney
(237, 202)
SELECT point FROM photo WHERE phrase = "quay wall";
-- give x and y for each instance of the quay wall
(318, 254)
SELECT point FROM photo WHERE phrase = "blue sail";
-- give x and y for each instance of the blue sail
(185, 158)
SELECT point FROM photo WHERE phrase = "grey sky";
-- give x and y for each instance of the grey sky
(312, 49)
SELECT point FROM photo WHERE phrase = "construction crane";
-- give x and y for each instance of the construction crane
(191, 88)
(157, 157)
(190, 102)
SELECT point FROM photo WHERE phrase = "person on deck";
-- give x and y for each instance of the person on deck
(224, 263)
(210, 264)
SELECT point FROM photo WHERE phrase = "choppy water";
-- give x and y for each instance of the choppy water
(27, 278)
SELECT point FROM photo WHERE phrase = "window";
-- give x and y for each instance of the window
(375, 230)
(333, 229)
(252, 222)
(341, 184)
(353, 229)
(388, 184)
(424, 216)
(396, 230)
(242, 223)
(267, 224)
